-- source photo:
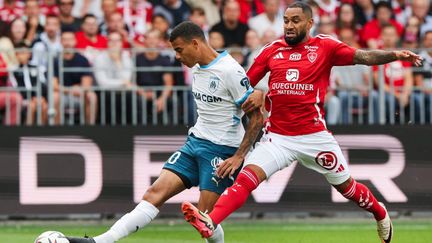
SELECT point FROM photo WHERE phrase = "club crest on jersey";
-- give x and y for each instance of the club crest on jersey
(292, 75)
(327, 160)
(312, 56)
(214, 83)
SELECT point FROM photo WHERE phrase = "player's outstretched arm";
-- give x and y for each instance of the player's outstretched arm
(378, 57)
(230, 165)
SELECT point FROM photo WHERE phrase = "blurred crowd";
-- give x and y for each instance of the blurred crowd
(73, 46)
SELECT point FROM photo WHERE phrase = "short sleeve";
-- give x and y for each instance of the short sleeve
(343, 54)
(258, 69)
(238, 85)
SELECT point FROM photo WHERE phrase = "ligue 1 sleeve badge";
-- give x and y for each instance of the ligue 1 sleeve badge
(312, 56)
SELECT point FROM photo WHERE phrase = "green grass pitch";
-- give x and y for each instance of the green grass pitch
(275, 231)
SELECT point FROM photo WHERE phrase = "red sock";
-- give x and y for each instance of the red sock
(361, 195)
(235, 196)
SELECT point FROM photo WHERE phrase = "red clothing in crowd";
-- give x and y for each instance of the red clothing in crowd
(8, 14)
(372, 30)
(83, 42)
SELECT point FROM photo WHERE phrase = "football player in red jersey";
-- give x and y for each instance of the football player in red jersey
(299, 68)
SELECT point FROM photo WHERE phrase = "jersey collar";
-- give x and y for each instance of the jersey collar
(222, 54)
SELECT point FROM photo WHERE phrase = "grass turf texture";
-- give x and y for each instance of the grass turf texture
(322, 231)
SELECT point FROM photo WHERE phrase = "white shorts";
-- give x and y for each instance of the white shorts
(317, 151)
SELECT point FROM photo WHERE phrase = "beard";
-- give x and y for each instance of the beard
(294, 41)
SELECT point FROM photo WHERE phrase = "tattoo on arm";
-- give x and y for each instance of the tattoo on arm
(374, 57)
(253, 128)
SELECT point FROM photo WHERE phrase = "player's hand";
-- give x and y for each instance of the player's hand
(229, 166)
(254, 101)
(409, 56)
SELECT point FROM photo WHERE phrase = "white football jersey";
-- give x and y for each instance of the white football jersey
(219, 89)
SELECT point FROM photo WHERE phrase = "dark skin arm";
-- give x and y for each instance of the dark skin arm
(230, 165)
(378, 57)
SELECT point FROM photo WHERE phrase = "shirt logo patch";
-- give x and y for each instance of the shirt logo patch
(278, 56)
(292, 75)
(214, 83)
(312, 56)
(295, 56)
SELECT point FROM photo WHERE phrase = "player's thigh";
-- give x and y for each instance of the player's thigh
(184, 165)
(209, 155)
(269, 155)
(167, 185)
(321, 152)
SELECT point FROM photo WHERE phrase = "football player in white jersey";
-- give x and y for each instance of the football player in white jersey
(220, 86)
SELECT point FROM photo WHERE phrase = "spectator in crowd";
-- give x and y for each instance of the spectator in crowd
(49, 7)
(411, 34)
(159, 22)
(364, 11)
(347, 19)
(198, 17)
(108, 7)
(75, 85)
(270, 19)
(420, 9)
(137, 15)
(372, 30)
(6, 47)
(113, 70)
(268, 36)
(82, 8)
(253, 44)
(237, 53)
(113, 67)
(402, 10)
(32, 79)
(328, 8)
(352, 84)
(67, 20)
(156, 99)
(349, 36)
(327, 26)
(216, 40)
(248, 9)
(34, 19)
(10, 101)
(11, 10)
(175, 11)
(117, 24)
(211, 9)
(15, 34)
(232, 30)
(89, 40)
(398, 76)
(48, 42)
(423, 80)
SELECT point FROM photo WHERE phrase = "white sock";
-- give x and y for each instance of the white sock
(142, 214)
(218, 235)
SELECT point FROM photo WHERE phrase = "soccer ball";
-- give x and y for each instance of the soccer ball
(51, 237)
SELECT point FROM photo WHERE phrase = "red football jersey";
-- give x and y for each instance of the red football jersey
(299, 77)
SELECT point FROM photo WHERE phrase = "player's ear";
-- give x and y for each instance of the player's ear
(310, 23)
(195, 44)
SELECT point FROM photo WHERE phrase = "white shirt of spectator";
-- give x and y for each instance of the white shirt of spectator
(219, 89)
(111, 75)
(261, 23)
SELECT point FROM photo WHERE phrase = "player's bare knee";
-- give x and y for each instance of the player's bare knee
(259, 172)
(155, 196)
(342, 187)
